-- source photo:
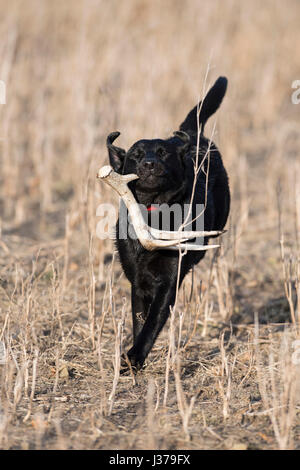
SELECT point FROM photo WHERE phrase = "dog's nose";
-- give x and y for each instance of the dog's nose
(149, 164)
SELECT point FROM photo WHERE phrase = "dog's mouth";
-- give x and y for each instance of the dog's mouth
(151, 181)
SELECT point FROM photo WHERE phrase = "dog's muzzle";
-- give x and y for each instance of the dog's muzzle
(150, 168)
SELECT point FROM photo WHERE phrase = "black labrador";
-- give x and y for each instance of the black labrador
(166, 176)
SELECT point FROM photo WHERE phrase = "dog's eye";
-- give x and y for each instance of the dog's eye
(161, 152)
(138, 154)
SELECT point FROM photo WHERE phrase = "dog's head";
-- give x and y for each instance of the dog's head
(159, 164)
(163, 166)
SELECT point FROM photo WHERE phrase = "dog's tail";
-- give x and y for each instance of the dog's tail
(207, 107)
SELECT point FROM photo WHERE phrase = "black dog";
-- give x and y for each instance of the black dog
(166, 175)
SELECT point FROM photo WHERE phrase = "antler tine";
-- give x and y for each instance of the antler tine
(190, 247)
(179, 235)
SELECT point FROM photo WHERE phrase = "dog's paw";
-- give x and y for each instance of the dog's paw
(126, 368)
(130, 365)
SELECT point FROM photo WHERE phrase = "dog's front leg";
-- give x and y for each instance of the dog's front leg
(164, 298)
(140, 309)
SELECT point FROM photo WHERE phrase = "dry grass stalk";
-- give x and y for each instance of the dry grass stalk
(226, 376)
(223, 286)
(278, 382)
(92, 295)
(66, 254)
(117, 359)
(170, 355)
(150, 416)
(33, 383)
(185, 408)
(290, 269)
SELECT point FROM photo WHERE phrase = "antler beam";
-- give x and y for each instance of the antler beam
(151, 238)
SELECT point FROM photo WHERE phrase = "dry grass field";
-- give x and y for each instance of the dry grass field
(225, 371)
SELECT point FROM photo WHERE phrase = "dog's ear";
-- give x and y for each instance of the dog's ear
(185, 141)
(116, 154)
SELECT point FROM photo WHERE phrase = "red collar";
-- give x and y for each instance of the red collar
(152, 208)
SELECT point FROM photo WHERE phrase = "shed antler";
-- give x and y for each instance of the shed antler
(150, 238)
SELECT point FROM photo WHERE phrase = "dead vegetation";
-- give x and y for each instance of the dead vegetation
(224, 373)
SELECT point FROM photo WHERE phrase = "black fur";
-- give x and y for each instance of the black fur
(166, 174)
